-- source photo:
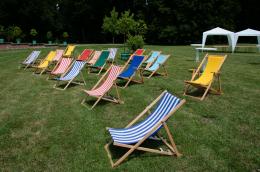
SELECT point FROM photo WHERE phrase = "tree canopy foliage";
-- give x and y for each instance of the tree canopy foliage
(168, 21)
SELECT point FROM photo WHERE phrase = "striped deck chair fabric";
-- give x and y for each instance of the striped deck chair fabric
(101, 89)
(137, 60)
(85, 55)
(107, 84)
(31, 58)
(112, 53)
(58, 55)
(62, 66)
(73, 72)
(137, 132)
(94, 58)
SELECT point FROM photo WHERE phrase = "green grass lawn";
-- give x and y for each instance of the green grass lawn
(44, 129)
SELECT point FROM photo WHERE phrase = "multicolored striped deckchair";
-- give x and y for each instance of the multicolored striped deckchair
(158, 63)
(61, 67)
(71, 74)
(133, 135)
(94, 58)
(132, 69)
(104, 85)
(43, 65)
(69, 50)
(58, 55)
(30, 60)
(85, 55)
(101, 61)
(112, 54)
(205, 80)
(151, 58)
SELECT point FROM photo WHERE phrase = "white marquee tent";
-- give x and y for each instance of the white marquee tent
(219, 31)
(247, 32)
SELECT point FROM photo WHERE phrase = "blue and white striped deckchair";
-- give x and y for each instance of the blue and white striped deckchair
(132, 136)
(112, 54)
(71, 74)
(159, 62)
(151, 58)
(31, 59)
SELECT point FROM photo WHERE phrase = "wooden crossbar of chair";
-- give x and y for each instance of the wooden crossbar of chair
(137, 146)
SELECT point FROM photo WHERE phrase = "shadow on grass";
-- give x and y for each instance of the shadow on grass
(117, 152)
(254, 63)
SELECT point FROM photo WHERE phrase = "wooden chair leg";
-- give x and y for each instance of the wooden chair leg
(171, 139)
(206, 91)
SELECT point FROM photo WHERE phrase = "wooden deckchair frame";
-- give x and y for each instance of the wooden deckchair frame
(163, 66)
(139, 69)
(207, 88)
(105, 96)
(100, 68)
(172, 146)
(70, 81)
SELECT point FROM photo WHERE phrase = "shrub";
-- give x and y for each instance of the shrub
(49, 35)
(2, 31)
(135, 42)
(65, 35)
(33, 33)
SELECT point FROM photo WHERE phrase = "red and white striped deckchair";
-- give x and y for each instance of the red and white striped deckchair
(61, 67)
(94, 58)
(58, 55)
(104, 85)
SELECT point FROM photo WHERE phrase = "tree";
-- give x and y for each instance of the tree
(110, 24)
(126, 24)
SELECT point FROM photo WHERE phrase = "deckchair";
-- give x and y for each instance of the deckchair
(151, 58)
(101, 61)
(133, 136)
(71, 74)
(58, 55)
(30, 60)
(61, 67)
(132, 69)
(138, 52)
(158, 63)
(112, 54)
(104, 85)
(39, 69)
(94, 58)
(85, 55)
(69, 50)
(206, 79)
